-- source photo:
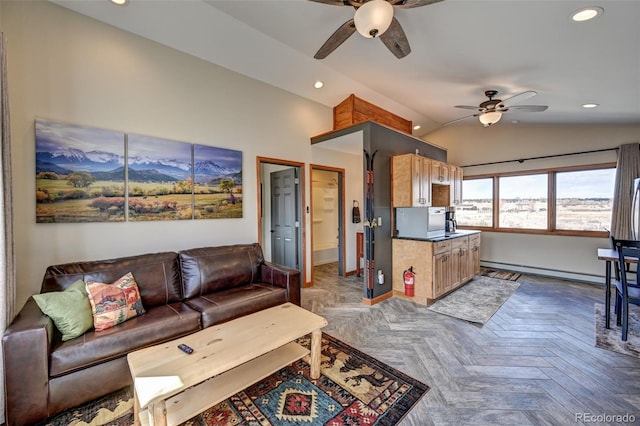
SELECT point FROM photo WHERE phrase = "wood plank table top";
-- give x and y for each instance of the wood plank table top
(612, 255)
(162, 371)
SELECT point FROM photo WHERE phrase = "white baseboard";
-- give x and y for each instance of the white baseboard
(545, 272)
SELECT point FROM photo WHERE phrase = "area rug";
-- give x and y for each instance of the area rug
(611, 338)
(353, 389)
(477, 300)
(503, 275)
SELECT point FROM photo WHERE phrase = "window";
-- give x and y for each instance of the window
(567, 201)
(477, 207)
(584, 199)
(523, 202)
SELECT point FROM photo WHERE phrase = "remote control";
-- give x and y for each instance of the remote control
(186, 349)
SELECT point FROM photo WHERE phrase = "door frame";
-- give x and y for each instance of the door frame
(302, 252)
(342, 260)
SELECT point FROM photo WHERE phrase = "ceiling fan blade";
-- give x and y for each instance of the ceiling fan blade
(528, 108)
(459, 119)
(396, 40)
(408, 4)
(332, 2)
(518, 98)
(337, 38)
(467, 107)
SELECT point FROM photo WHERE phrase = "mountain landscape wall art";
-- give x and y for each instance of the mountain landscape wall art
(217, 177)
(79, 173)
(83, 175)
(160, 179)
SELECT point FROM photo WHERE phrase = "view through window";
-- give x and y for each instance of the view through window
(584, 199)
(580, 200)
(477, 206)
(523, 202)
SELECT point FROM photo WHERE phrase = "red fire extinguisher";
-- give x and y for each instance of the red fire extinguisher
(409, 279)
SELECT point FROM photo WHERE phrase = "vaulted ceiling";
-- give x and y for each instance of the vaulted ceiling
(460, 48)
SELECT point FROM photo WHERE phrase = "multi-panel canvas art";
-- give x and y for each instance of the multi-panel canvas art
(159, 176)
(79, 173)
(83, 175)
(217, 182)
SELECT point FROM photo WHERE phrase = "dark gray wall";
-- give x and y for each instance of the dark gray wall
(387, 142)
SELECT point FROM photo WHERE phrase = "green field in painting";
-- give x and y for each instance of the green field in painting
(160, 207)
(56, 201)
(217, 206)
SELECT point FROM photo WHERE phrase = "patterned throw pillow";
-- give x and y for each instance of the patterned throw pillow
(114, 303)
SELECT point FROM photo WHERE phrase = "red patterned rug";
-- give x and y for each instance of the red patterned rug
(353, 389)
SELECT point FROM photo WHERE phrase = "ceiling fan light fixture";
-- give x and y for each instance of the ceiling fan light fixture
(373, 18)
(489, 118)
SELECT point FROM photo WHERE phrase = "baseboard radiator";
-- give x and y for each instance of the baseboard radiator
(546, 272)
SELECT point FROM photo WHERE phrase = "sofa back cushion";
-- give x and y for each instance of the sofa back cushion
(209, 269)
(157, 275)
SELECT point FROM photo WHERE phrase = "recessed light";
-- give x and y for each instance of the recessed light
(120, 2)
(590, 105)
(318, 84)
(586, 13)
(416, 127)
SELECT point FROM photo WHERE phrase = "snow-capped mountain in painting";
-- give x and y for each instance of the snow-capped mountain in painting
(175, 168)
(207, 171)
(75, 159)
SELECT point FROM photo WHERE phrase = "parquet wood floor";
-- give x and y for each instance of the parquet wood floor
(533, 363)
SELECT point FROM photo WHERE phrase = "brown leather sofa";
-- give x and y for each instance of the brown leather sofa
(181, 292)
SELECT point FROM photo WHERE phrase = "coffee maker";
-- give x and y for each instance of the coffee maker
(450, 224)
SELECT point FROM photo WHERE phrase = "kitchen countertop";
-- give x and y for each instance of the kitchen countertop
(448, 236)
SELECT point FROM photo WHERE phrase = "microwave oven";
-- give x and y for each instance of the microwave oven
(422, 223)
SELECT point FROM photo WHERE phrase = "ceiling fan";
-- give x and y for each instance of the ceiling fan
(490, 112)
(373, 18)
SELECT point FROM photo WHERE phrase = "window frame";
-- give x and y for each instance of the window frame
(551, 201)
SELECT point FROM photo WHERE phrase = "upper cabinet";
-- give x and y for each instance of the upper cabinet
(455, 190)
(439, 172)
(410, 181)
(418, 181)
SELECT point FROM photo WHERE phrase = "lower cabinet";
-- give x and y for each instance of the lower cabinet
(474, 254)
(439, 267)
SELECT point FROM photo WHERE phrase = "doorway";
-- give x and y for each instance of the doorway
(327, 217)
(280, 214)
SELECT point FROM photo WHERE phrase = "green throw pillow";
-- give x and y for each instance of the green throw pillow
(69, 310)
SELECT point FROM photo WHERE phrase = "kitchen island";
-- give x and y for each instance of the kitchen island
(440, 264)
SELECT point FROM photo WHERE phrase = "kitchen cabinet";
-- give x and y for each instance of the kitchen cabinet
(410, 181)
(474, 254)
(439, 266)
(441, 261)
(460, 265)
(439, 172)
(418, 181)
(455, 176)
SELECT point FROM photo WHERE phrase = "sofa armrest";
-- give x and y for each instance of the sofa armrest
(26, 345)
(282, 277)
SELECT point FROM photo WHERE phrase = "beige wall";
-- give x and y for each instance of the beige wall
(70, 68)
(573, 257)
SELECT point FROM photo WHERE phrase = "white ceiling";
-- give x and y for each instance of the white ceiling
(459, 49)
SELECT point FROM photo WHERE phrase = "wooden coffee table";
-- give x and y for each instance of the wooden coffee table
(171, 386)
